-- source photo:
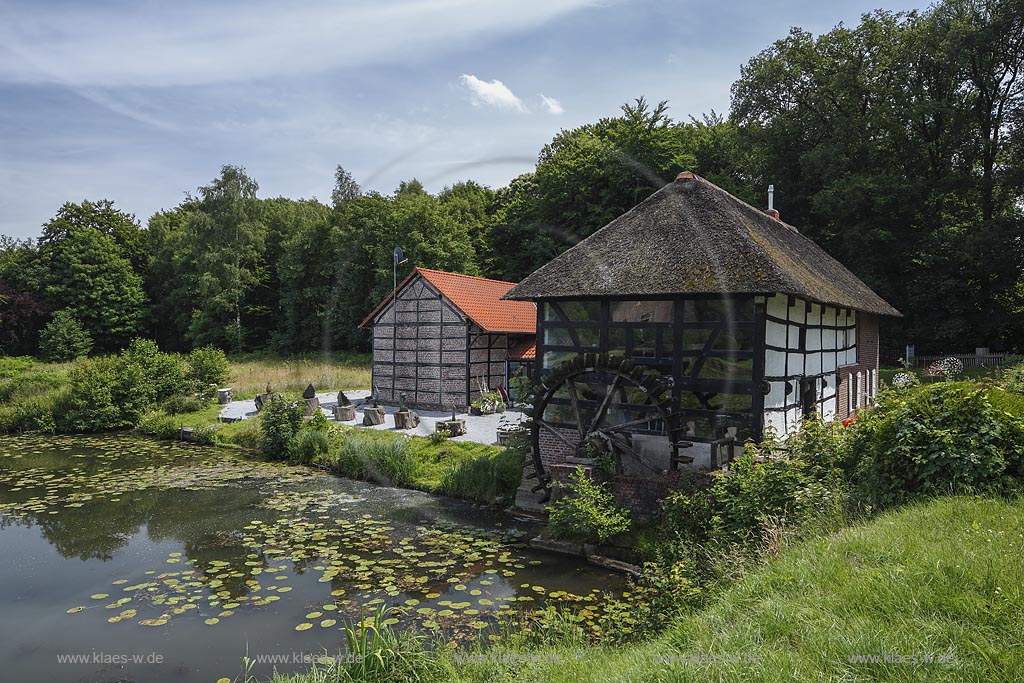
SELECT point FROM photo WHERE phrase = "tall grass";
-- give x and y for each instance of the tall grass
(386, 460)
(375, 652)
(485, 478)
(249, 376)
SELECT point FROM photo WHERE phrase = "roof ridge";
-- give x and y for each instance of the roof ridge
(473, 277)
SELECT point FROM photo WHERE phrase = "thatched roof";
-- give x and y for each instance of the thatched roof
(692, 237)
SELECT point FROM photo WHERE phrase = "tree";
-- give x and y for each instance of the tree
(226, 234)
(84, 271)
(20, 319)
(309, 269)
(64, 338)
(345, 187)
(122, 227)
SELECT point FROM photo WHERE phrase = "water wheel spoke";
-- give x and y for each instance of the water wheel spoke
(622, 447)
(545, 425)
(603, 408)
(633, 423)
(574, 399)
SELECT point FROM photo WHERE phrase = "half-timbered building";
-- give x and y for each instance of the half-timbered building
(441, 339)
(689, 325)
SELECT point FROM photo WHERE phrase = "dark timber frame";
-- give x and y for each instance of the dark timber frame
(429, 350)
(686, 351)
(797, 379)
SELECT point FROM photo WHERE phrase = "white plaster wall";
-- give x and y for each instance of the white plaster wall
(821, 358)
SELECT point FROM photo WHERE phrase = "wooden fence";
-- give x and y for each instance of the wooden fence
(970, 360)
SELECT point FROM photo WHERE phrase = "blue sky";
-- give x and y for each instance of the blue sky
(139, 101)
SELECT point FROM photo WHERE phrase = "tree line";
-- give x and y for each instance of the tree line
(897, 144)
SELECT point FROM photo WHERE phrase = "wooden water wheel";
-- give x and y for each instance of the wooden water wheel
(598, 403)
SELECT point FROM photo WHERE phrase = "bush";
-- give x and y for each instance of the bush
(64, 338)
(207, 366)
(91, 403)
(180, 405)
(588, 513)
(932, 439)
(33, 413)
(280, 421)
(385, 461)
(157, 376)
(1013, 378)
(307, 446)
(159, 424)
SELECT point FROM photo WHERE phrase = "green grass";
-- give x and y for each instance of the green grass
(461, 469)
(941, 580)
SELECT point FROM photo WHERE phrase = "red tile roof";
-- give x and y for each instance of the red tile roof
(525, 349)
(478, 298)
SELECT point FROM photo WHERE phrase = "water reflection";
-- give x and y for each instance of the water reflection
(189, 538)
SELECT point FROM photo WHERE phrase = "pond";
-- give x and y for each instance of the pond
(125, 559)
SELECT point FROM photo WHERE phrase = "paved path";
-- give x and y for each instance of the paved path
(479, 428)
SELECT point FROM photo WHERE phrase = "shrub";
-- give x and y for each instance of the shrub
(159, 424)
(589, 511)
(90, 404)
(280, 421)
(207, 366)
(180, 405)
(751, 492)
(32, 413)
(932, 439)
(308, 445)
(157, 376)
(1013, 378)
(64, 338)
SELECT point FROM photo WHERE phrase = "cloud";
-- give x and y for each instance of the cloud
(194, 42)
(492, 93)
(553, 106)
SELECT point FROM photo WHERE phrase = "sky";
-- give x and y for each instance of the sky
(141, 101)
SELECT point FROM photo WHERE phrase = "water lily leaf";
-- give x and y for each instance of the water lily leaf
(304, 627)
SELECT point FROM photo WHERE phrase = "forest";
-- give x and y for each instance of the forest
(896, 144)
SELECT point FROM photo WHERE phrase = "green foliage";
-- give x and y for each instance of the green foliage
(933, 439)
(93, 402)
(1013, 378)
(382, 654)
(207, 366)
(489, 403)
(280, 422)
(160, 376)
(588, 512)
(487, 478)
(64, 338)
(180, 404)
(886, 143)
(85, 266)
(159, 424)
(386, 461)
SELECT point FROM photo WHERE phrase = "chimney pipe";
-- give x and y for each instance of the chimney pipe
(771, 197)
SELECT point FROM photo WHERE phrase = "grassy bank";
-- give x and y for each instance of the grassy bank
(929, 592)
(31, 389)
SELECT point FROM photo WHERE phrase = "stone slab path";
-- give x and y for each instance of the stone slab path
(479, 428)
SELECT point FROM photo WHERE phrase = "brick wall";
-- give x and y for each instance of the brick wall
(866, 367)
